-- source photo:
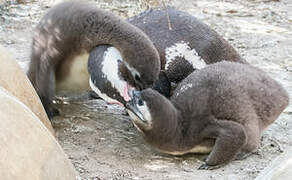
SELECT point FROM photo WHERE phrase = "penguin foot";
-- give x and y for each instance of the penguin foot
(205, 166)
(242, 155)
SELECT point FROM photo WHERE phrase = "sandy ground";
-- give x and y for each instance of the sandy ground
(101, 141)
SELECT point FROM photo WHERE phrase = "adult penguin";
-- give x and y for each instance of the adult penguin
(184, 44)
(68, 32)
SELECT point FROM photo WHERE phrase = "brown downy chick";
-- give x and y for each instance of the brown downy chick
(222, 109)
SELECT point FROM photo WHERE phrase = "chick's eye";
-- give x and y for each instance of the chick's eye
(140, 102)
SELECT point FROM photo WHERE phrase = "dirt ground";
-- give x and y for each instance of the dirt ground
(100, 140)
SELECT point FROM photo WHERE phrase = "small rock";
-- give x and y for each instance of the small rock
(232, 11)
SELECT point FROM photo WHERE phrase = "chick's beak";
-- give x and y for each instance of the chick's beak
(132, 104)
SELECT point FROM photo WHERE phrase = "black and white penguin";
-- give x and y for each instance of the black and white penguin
(189, 45)
(105, 79)
(222, 109)
(68, 32)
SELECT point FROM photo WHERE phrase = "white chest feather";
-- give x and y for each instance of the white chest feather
(110, 69)
(182, 49)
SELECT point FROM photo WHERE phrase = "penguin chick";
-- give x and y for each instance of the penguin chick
(221, 109)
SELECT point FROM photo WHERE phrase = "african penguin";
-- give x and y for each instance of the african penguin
(68, 32)
(222, 109)
(188, 46)
(106, 80)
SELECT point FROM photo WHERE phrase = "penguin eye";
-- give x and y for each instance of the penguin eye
(140, 102)
(137, 78)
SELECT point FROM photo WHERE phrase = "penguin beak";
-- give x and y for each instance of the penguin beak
(132, 105)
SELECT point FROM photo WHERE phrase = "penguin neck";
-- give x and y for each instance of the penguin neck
(131, 42)
(166, 128)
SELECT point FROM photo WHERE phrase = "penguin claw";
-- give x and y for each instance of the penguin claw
(242, 155)
(205, 166)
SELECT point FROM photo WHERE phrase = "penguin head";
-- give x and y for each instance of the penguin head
(112, 78)
(140, 66)
(139, 111)
(151, 111)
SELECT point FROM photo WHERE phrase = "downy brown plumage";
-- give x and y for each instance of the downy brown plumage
(222, 109)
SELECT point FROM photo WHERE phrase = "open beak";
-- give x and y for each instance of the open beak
(132, 105)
